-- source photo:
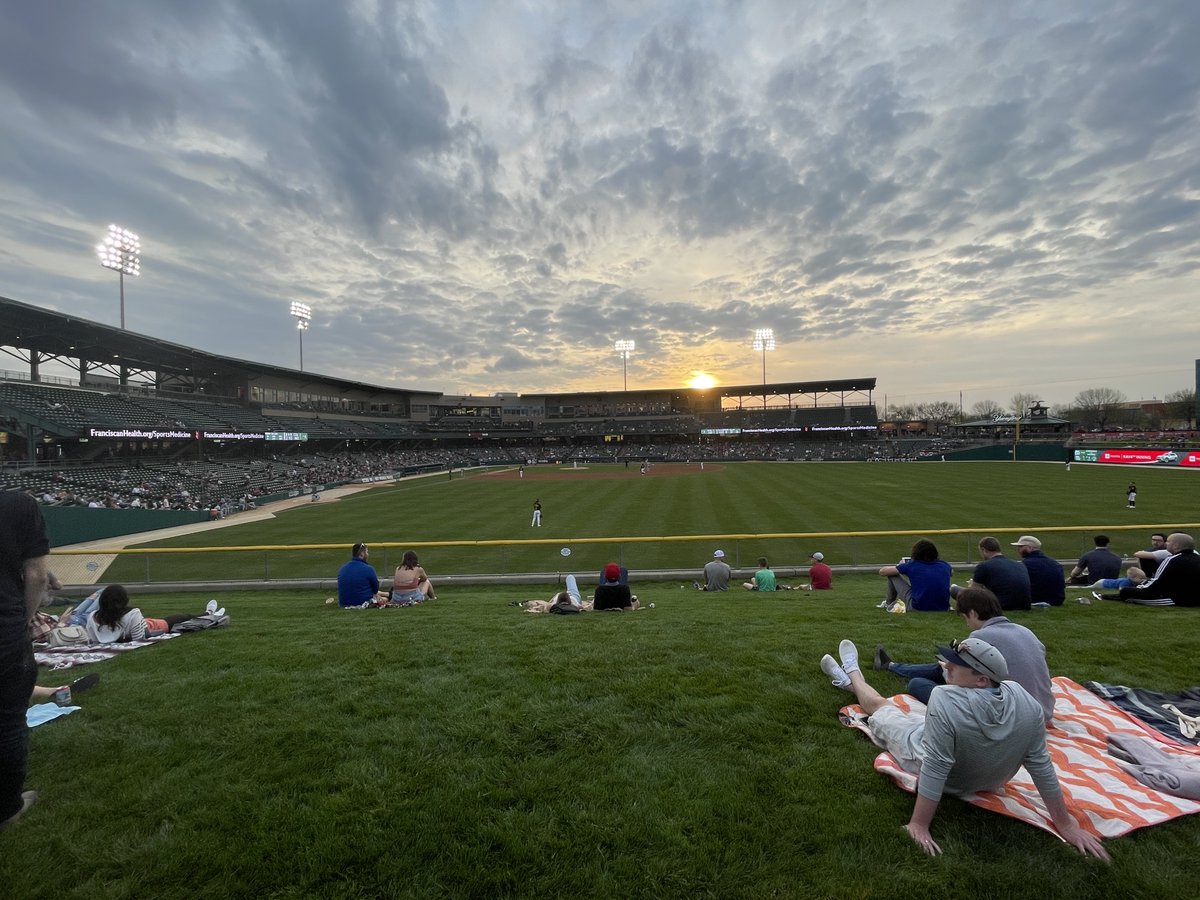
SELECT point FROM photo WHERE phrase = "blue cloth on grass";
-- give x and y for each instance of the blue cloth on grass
(44, 712)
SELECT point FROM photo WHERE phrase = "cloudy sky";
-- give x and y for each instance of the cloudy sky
(480, 195)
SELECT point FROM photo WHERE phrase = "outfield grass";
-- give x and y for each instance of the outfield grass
(467, 749)
(741, 500)
(464, 748)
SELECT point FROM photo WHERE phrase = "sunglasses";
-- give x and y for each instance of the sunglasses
(957, 645)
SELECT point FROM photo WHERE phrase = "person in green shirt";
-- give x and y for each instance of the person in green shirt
(764, 578)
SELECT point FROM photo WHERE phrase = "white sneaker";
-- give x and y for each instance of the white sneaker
(211, 608)
(220, 612)
(836, 673)
(849, 654)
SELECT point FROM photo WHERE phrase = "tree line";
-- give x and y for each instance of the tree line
(1093, 408)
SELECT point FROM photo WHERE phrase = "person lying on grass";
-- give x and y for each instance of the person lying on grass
(1133, 577)
(978, 730)
(78, 686)
(115, 621)
(571, 600)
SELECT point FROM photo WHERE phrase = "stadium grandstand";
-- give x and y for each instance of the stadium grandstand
(139, 412)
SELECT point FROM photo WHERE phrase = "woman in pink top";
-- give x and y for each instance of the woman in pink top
(411, 584)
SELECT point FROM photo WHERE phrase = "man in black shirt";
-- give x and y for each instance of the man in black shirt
(23, 553)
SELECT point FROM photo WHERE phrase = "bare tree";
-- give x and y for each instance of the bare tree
(938, 411)
(1098, 406)
(900, 411)
(1181, 406)
(986, 409)
(1020, 403)
(1063, 411)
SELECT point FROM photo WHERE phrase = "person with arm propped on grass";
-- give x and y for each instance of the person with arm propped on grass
(978, 729)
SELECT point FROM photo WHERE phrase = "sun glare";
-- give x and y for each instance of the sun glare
(702, 380)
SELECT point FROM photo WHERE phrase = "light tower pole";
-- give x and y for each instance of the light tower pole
(302, 313)
(624, 348)
(121, 251)
(764, 340)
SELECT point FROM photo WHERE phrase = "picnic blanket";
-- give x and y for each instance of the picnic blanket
(1175, 715)
(1110, 801)
(65, 657)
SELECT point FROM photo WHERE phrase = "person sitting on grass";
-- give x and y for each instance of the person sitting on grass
(358, 584)
(764, 578)
(411, 584)
(1176, 581)
(115, 621)
(978, 729)
(820, 576)
(611, 593)
(1023, 653)
(922, 581)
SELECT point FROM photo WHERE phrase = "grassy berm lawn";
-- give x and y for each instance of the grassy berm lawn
(467, 749)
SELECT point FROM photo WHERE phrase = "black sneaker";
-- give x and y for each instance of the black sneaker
(883, 662)
(88, 681)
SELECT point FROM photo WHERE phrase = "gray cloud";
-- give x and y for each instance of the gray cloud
(485, 202)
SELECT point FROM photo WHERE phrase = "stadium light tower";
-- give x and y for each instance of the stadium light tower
(121, 251)
(624, 348)
(302, 313)
(764, 340)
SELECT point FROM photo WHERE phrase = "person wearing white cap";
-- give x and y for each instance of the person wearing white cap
(977, 731)
(1047, 582)
(716, 573)
(819, 574)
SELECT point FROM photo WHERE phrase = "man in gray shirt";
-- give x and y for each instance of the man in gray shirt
(716, 573)
(1023, 653)
(978, 730)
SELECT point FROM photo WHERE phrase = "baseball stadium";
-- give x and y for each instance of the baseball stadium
(462, 747)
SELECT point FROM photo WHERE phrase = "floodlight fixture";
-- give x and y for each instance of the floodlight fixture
(764, 340)
(302, 313)
(121, 251)
(624, 348)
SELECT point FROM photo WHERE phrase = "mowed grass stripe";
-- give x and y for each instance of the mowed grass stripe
(731, 499)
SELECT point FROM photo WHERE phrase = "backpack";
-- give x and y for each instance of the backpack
(68, 636)
(562, 605)
(201, 623)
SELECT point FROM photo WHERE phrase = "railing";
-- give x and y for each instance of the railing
(647, 557)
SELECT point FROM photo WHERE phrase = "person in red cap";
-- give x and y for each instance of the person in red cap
(611, 593)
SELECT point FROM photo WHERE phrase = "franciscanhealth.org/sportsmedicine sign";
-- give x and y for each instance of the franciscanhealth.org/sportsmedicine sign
(1141, 457)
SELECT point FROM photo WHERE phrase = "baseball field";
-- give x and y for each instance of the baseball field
(464, 748)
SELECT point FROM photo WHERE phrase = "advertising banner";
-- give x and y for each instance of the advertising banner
(1140, 457)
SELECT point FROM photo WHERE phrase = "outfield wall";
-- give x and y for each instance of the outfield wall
(76, 524)
(542, 561)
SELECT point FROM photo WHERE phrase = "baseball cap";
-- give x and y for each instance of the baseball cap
(978, 655)
(1027, 540)
(718, 554)
(612, 572)
(818, 556)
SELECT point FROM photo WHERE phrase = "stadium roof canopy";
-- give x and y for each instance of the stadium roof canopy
(48, 335)
(840, 387)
